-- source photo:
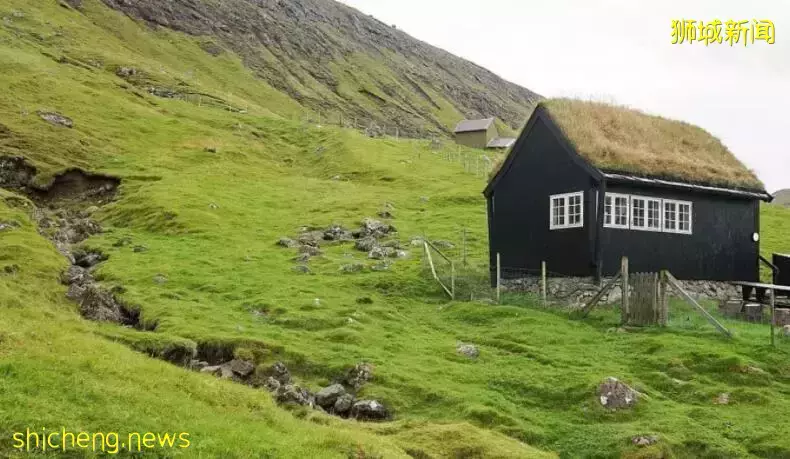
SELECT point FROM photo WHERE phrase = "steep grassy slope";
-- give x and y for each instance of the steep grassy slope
(213, 276)
(335, 59)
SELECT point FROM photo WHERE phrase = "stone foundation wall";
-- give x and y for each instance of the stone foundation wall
(577, 291)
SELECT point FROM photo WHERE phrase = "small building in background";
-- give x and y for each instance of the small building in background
(481, 133)
(476, 133)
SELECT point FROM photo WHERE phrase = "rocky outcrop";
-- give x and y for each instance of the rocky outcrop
(404, 91)
(616, 395)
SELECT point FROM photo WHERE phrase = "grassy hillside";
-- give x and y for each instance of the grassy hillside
(208, 192)
(782, 198)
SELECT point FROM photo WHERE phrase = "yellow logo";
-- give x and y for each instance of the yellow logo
(718, 32)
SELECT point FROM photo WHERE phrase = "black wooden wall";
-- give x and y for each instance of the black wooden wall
(720, 248)
(518, 209)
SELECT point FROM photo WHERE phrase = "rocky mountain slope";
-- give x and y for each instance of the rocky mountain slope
(334, 59)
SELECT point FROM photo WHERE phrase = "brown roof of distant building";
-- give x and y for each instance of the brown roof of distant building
(474, 125)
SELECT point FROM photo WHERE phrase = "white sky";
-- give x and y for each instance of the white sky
(620, 51)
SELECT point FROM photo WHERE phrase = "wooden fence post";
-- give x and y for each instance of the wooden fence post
(543, 282)
(498, 277)
(663, 297)
(625, 309)
(452, 280)
(773, 315)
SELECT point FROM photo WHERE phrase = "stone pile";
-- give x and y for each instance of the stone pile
(337, 398)
(371, 238)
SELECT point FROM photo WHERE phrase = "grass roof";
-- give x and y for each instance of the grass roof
(620, 139)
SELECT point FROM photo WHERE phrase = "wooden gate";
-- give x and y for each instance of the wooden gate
(647, 304)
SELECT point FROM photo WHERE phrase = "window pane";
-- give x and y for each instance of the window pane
(621, 211)
(654, 214)
(574, 210)
(558, 211)
(638, 209)
(684, 217)
(670, 215)
(607, 215)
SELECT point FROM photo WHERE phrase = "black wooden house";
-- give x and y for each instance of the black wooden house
(587, 183)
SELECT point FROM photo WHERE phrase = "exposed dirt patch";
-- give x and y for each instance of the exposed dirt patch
(75, 185)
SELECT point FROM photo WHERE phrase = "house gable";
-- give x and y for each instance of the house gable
(540, 114)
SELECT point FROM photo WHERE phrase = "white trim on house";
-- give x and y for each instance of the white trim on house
(676, 228)
(560, 214)
(643, 222)
(610, 213)
(668, 219)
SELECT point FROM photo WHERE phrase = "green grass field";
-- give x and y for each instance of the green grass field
(210, 222)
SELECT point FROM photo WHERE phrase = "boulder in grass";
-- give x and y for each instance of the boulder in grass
(326, 397)
(616, 395)
(369, 410)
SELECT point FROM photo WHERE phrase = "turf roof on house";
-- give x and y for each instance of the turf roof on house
(620, 139)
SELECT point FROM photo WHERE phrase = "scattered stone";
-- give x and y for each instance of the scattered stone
(336, 177)
(365, 244)
(198, 365)
(89, 258)
(616, 395)
(210, 149)
(352, 268)
(271, 384)
(416, 241)
(100, 305)
(310, 250)
(786, 330)
(364, 300)
(139, 249)
(375, 228)
(301, 269)
(11, 269)
(287, 242)
(343, 404)
(160, 279)
(424, 199)
(469, 350)
(312, 238)
(279, 372)
(9, 225)
(292, 394)
(241, 368)
(75, 275)
(401, 254)
(337, 233)
(213, 206)
(126, 72)
(326, 397)
(616, 330)
(358, 376)
(722, 399)
(386, 214)
(369, 410)
(644, 440)
(394, 244)
(56, 119)
(379, 253)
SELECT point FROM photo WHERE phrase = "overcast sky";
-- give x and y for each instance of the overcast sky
(621, 51)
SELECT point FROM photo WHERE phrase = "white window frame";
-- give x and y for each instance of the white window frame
(677, 229)
(566, 210)
(612, 223)
(646, 227)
